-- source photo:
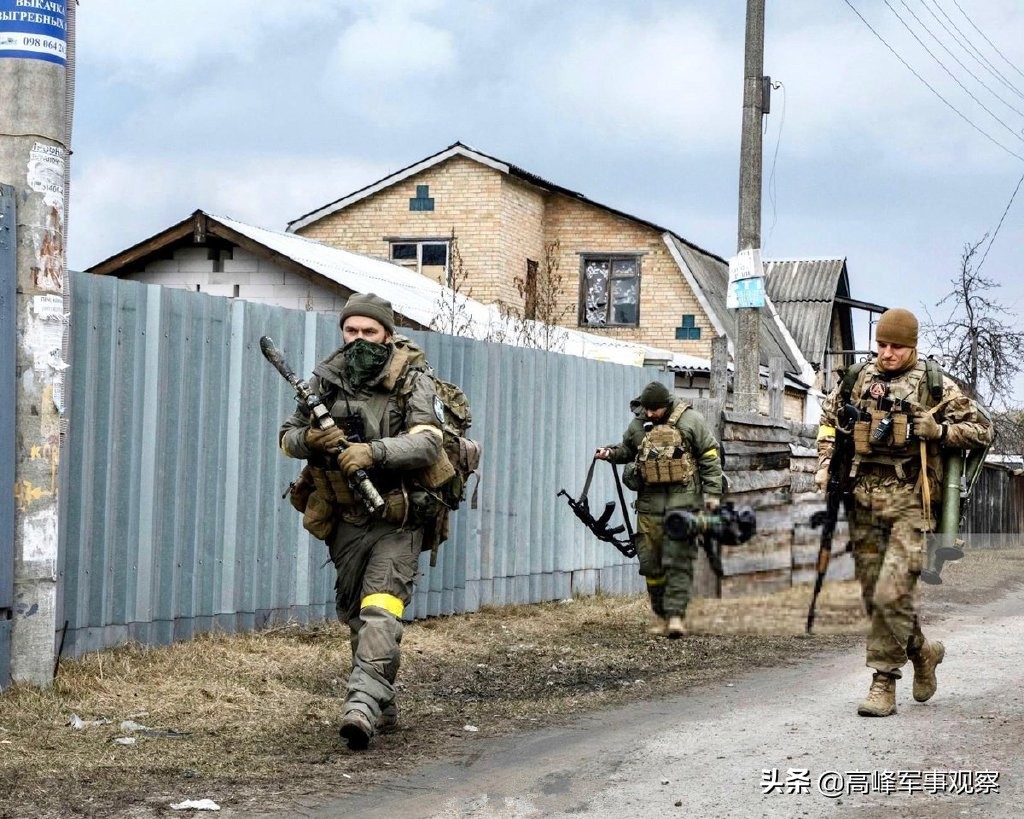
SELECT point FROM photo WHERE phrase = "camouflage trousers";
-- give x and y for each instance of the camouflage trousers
(887, 530)
(666, 564)
(376, 564)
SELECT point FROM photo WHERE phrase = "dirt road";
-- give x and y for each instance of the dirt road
(767, 743)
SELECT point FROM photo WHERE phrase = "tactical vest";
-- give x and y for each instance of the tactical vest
(884, 433)
(663, 456)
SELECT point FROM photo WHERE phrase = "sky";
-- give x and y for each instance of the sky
(893, 141)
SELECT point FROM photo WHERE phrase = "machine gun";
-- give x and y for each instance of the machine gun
(321, 417)
(837, 494)
(727, 526)
(599, 525)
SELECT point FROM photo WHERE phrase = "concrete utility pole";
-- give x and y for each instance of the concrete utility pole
(746, 344)
(35, 117)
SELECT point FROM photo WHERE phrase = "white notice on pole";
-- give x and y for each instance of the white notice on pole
(746, 280)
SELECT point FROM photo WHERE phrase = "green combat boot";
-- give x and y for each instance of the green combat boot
(676, 627)
(881, 701)
(924, 661)
(356, 730)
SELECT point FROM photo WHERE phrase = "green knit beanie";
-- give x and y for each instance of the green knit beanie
(372, 306)
(654, 396)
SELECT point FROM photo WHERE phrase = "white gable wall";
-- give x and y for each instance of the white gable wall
(243, 276)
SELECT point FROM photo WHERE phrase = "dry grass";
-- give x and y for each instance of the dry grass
(259, 711)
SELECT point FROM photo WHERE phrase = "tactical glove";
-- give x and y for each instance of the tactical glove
(926, 427)
(324, 440)
(711, 503)
(355, 457)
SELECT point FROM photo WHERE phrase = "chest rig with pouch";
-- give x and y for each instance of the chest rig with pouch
(883, 432)
(663, 456)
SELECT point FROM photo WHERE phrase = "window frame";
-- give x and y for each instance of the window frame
(417, 264)
(611, 258)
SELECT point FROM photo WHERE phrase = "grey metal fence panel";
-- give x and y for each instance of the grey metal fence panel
(8, 391)
(174, 521)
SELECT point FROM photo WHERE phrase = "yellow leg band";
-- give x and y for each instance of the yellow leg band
(388, 602)
(826, 433)
(655, 581)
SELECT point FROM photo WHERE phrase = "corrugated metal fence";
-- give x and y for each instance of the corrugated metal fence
(172, 518)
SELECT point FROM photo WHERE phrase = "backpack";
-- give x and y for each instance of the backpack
(447, 480)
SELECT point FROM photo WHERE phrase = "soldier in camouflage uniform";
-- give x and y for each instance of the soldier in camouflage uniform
(673, 464)
(396, 416)
(889, 519)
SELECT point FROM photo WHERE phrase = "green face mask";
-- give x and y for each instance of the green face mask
(363, 360)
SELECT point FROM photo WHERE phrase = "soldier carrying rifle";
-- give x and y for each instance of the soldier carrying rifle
(673, 465)
(905, 412)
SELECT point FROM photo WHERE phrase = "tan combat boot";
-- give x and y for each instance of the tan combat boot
(881, 701)
(356, 730)
(658, 626)
(924, 661)
(676, 626)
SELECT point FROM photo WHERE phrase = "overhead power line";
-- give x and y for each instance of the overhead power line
(958, 61)
(971, 49)
(931, 88)
(1001, 218)
(987, 40)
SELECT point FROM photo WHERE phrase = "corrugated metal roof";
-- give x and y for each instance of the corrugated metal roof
(803, 292)
(417, 297)
(712, 277)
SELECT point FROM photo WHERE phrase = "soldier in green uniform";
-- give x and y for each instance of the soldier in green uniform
(388, 423)
(673, 464)
(905, 422)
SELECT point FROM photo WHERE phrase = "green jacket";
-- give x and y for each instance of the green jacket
(707, 480)
(397, 401)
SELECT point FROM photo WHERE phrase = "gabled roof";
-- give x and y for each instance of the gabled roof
(708, 277)
(804, 292)
(413, 296)
(463, 150)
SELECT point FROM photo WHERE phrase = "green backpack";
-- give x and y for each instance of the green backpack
(462, 452)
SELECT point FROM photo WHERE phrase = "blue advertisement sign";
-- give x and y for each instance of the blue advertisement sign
(34, 30)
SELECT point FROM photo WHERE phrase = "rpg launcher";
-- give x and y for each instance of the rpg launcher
(321, 417)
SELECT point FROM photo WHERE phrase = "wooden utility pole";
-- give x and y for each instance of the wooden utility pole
(35, 117)
(746, 344)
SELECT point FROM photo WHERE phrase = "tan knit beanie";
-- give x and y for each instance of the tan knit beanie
(897, 326)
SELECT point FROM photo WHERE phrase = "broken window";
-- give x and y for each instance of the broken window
(611, 291)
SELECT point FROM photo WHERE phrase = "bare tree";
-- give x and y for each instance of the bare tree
(1009, 427)
(977, 343)
(452, 314)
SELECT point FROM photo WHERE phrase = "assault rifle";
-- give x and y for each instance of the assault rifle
(727, 526)
(837, 494)
(321, 416)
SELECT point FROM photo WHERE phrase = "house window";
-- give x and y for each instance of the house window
(426, 256)
(610, 288)
(530, 290)
(688, 331)
(422, 200)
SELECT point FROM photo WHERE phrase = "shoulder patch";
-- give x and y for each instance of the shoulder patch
(439, 409)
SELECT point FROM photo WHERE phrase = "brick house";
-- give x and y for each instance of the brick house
(617, 274)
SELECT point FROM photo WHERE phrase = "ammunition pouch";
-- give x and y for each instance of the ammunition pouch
(871, 435)
(631, 477)
(300, 490)
(666, 467)
(318, 516)
(438, 473)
